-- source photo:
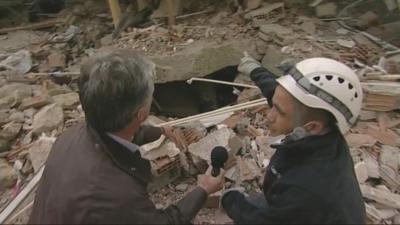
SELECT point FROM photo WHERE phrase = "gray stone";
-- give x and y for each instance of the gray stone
(14, 94)
(48, 119)
(35, 102)
(346, 43)
(309, 27)
(29, 113)
(202, 149)
(17, 117)
(390, 156)
(342, 31)
(367, 19)
(203, 58)
(275, 29)
(272, 59)
(391, 4)
(4, 145)
(39, 151)
(58, 90)
(10, 131)
(8, 176)
(106, 40)
(67, 101)
(4, 117)
(361, 172)
(3, 82)
(252, 4)
(326, 10)
(7, 102)
(24, 89)
(182, 187)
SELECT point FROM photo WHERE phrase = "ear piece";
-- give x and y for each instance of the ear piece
(297, 134)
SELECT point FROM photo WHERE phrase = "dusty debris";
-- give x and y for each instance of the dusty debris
(4, 145)
(372, 165)
(386, 198)
(10, 131)
(40, 150)
(358, 140)
(361, 172)
(252, 4)
(387, 136)
(391, 4)
(67, 101)
(309, 27)
(367, 19)
(275, 29)
(55, 61)
(181, 187)
(381, 96)
(8, 175)
(19, 62)
(17, 117)
(38, 25)
(35, 102)
(346, 43)
(248, 169)
(326, 10)
(68, 35)
(202, 149)
(47, 119)
(264, 14)
(4, 117)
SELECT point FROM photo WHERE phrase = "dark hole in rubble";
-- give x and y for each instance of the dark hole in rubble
(180, 99)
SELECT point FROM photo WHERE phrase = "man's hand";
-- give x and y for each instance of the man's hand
(171, 135)
(211, 184)
(248, 64)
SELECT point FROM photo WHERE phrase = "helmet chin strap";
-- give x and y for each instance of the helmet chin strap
(299, 132)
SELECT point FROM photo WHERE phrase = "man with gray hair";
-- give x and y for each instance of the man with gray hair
(95, 173)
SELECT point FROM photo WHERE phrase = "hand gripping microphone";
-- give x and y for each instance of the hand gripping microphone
(219, 156)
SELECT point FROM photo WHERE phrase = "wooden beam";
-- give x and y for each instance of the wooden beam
(115, 11)
(141, 4)
(33, 26)
(217, 112)
(171, 12)
(220, 82)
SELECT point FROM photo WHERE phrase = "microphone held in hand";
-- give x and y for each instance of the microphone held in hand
(219, 156)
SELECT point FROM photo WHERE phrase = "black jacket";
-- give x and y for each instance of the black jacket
(308, 181)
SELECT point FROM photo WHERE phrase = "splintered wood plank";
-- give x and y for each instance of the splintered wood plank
(115, 11)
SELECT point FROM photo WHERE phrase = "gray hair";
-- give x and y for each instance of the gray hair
(113, 87)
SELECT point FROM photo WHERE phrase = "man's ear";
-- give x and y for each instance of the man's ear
(314, 127)
(143, 113)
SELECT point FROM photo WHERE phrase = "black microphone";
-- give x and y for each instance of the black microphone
(219, 156)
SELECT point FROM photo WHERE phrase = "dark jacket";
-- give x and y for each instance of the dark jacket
(91, 179)
(308, 181)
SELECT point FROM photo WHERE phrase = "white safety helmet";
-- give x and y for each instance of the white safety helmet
(326, 84)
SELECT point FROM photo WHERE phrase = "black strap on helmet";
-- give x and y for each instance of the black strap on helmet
(322, 94)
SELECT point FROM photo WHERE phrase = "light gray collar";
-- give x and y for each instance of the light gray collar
(129, 145)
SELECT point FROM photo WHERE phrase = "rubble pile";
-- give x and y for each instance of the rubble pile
(39, 100)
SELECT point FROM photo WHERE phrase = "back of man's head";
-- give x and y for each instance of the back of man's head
(113, 87)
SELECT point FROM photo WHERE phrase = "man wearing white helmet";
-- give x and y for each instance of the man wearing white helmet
(310, 178)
